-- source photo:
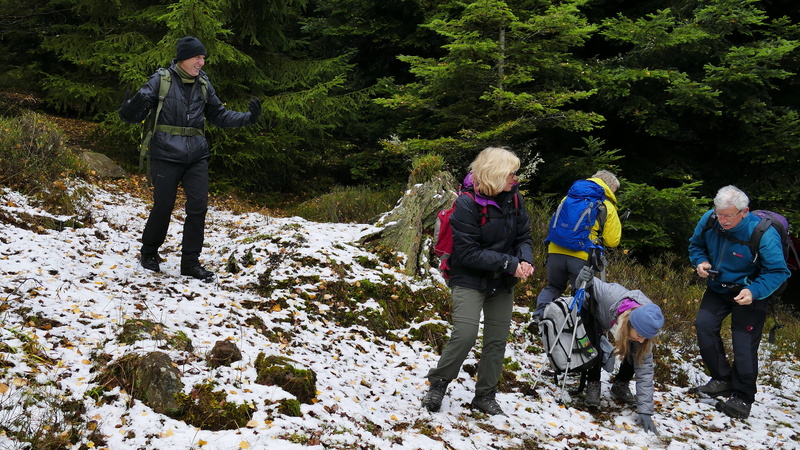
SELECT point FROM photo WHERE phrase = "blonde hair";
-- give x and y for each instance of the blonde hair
(490, 170)
(622, 341)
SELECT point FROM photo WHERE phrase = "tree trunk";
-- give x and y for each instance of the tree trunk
(408, 228)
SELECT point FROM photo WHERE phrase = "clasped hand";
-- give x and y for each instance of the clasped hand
(524, 270)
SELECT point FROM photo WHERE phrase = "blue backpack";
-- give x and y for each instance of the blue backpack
(572, 222)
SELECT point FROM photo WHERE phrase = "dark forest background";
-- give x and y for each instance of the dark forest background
(677, 97)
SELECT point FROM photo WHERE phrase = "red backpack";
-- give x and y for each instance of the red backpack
(443, 233)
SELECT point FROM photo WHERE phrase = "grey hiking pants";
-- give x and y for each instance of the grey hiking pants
(467, 307)
(561, 269)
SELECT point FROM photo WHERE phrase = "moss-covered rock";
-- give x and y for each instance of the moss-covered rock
(290, 407)
(435, 334)
(150, 378)
(210, 410)
(280, 371)
(134, 330)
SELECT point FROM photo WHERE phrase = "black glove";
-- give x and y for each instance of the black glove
(254, 105)
(132, 106)
(646, 422)
(586, 275)
(138, 102)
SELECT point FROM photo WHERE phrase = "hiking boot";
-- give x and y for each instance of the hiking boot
(487, 404)
(621, 391)
(197, 271)
(734, 407)
(150, 261)
(433, 398)
(592, 395)
(715, 388)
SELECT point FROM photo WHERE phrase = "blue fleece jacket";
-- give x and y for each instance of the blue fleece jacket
(734, 261)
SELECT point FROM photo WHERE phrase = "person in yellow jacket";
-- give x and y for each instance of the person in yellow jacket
(564, 265)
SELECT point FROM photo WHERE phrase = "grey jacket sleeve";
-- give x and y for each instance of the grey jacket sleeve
(644, 382)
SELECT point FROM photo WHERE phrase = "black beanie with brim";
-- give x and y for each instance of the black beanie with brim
(189, 47)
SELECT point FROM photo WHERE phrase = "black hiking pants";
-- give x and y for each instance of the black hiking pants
(747, 325)
(166, 176)
(593, 331)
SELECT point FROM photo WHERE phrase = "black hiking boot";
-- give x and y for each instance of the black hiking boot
(433, 398)
(592, 395)
(621, 391)
(150, 261)
(197, 271)
(487, 404)
(715, 388)
(734, 407)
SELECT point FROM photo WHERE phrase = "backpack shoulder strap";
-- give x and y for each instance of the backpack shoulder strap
(712, 219)
(204, 86)
(164, 82)
(602, 216)
(484, 210)
(758, 233)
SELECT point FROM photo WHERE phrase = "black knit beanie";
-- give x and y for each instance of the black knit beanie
(189, 47)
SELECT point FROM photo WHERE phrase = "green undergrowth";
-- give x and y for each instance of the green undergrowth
(358, 204)
(35, 161)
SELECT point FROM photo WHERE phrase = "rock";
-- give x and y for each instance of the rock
(223, 354)
(102, 165)
(158, 381)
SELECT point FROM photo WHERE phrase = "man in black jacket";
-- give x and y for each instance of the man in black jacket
(179, 151)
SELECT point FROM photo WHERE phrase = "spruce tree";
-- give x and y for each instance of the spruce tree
(507, 74)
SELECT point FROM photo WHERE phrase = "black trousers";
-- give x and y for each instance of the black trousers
(166, 176)
(747, 325)
(593, 331)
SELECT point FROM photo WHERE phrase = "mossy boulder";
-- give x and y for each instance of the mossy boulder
(435, 334)
(210, 410)
(281, 371)
(151, 378)
(134, 330)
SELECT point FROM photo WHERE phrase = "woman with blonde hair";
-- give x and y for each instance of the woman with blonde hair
(634, 321)
(491, 251)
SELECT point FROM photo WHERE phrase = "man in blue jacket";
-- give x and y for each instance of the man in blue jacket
(179, 151)
(739, 285)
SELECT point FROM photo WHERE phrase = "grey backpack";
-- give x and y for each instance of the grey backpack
(564, 336)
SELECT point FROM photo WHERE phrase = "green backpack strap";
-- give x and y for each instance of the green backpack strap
(152, 119)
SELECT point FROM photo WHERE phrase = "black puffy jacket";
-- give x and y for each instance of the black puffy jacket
(485, 257)
(180, 111)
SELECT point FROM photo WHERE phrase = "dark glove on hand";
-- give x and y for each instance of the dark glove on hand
(646, 422)
(586, 275)
(254, 105)
(132, 106)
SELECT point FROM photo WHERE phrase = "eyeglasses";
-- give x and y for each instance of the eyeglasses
(728, 216)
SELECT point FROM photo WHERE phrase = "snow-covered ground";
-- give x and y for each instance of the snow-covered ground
(88, 282)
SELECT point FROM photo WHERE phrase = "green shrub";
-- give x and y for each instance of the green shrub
(35, 161)
(425, 167)
(349, 205)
